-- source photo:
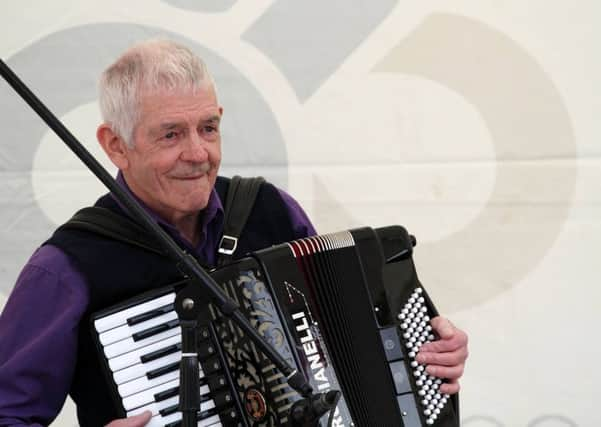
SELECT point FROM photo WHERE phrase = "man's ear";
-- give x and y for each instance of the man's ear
(113, 145)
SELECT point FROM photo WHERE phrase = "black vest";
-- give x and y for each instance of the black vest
(115, 271)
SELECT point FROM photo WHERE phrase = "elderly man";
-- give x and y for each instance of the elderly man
(162, 130)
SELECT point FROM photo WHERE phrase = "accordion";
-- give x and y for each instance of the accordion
(345, 309)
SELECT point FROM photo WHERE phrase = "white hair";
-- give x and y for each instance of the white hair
(147, 67)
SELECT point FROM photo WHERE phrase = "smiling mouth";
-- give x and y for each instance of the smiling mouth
(190, 178)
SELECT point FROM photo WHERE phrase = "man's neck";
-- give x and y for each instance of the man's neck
(188, 227)
(186, 224)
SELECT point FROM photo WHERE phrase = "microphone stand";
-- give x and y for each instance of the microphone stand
(190, 300)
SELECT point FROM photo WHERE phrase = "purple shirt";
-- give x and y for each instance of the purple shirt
(39, 324)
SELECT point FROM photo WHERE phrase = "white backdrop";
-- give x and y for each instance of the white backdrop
(469, 122)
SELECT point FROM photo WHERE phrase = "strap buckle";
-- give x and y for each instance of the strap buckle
(228, 245)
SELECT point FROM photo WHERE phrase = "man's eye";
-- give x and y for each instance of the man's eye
(210, 129)
(170, 135)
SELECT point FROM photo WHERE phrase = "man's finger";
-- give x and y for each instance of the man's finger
(457, 341)
(443, 327)
(451, 338)
(451, 387)
(450, 358)
(450, 372)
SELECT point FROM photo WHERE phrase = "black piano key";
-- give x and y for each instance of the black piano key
(175, 408)
(169, 410)
(155, 330)
(161, 352)
(199, 416)
(174, 424)
(166, 394)
(150, 314)
(214, 382)
(162, 370)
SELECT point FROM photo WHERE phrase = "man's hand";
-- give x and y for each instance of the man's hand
(445, 358)
(139, 420)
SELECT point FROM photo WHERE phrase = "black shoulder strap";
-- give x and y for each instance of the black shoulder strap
(239, 202)
(107, 223)
(241, 196)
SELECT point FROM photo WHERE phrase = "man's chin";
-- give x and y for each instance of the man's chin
(193, 206)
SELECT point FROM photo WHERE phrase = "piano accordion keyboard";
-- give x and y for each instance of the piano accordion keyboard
(142, 348)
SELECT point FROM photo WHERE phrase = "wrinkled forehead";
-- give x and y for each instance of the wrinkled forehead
(165, 107)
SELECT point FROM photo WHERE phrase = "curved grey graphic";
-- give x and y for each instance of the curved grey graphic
(62, 69)
(552, 421)
(202, 5)
(527, 120)
(481, 421)
(309, 39)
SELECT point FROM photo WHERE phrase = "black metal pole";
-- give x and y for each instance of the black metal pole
(186, 263)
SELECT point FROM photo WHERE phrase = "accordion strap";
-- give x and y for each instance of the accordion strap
(241, 196)
(104, 222)
(240, 199)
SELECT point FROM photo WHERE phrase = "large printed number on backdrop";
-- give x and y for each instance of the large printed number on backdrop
(62, 69)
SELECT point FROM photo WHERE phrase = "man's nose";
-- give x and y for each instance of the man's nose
(195, 149)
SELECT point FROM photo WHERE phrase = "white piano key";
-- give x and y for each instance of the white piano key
(143, 383)
(146, 397)
(155, 407)
(134, 357)
(176, 416)
(120, 318)
(141, 369)
(128, 344)
(156, 421)
(126, 331)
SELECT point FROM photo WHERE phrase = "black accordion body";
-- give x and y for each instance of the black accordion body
(346, 309)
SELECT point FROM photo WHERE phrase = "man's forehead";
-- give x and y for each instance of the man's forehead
(164, 105)
(170, 124)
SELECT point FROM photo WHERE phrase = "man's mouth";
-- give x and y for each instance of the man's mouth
(190, 177)
(192, 174)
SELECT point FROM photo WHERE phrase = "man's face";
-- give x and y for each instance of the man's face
(177, 151)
